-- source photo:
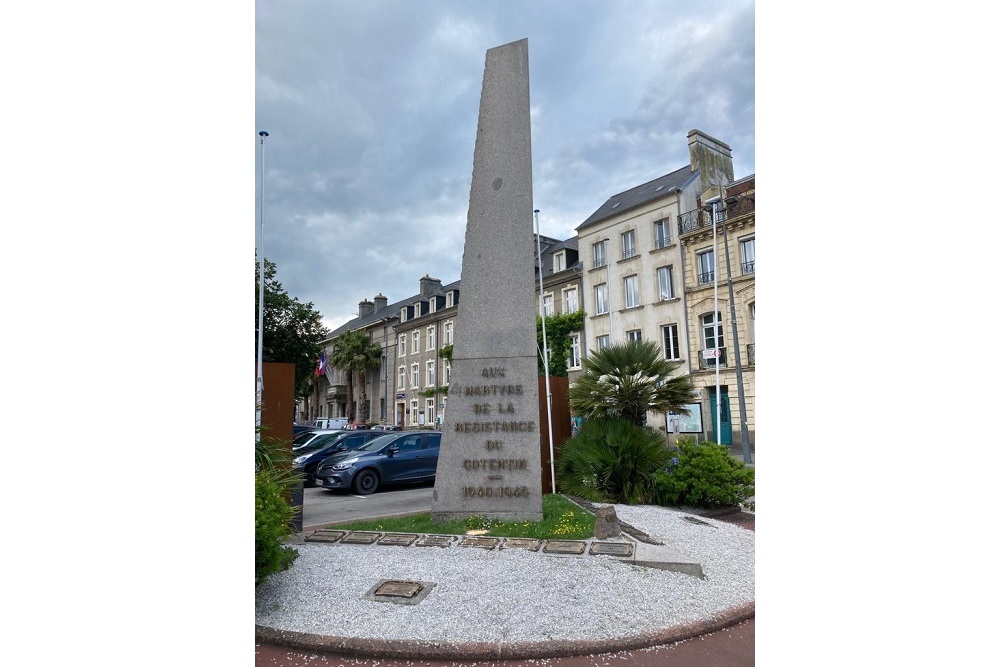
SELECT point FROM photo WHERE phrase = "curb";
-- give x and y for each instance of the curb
(419, 650)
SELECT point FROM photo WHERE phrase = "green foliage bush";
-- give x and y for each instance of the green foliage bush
(611, 460)
(272, 517)
(704, 476)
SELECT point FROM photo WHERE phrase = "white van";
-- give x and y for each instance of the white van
(336, 423)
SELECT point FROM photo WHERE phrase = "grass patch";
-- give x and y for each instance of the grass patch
(562, 519)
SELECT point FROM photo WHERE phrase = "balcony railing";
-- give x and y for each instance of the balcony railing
(599, 262)
(748, 268)
(706, 278)
(628, 252)
(662, 242)
(750, 361)
(701, 219)
(710, 363)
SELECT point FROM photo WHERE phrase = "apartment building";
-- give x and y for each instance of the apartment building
(720, 294)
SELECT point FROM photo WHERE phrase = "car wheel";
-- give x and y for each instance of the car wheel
(310, 482)
(366, 482)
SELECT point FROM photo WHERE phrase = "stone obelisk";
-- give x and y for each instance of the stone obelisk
(490, 460)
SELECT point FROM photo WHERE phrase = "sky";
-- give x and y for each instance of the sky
(371, 111)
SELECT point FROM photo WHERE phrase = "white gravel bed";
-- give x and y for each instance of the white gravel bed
(513, 595)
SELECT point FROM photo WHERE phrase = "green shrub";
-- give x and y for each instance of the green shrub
(705, 476)
(272, 518)
(611, 460)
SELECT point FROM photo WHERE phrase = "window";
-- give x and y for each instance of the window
(574, 351)
(747, 255)
(548, 307)
(401, 380)
(753, 321)
(430, 374)
(711, 335)
(570, 303)
(601, 298)
(416, 343)
(402, 345)
(402, 314)
(415, 376)
(635, 335)
(447, 372)
(559, 261)
(449, 299)
(628, 244)
(671, 343)
(665, 279)
(603, 342)
(447, 333)
(430, 338)
(706, 267)
(432, 304)
(661, 233)
(600, 254)
(413, 412)
(429, 410)
(631, 291)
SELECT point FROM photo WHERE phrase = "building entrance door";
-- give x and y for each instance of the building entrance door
(723, 435)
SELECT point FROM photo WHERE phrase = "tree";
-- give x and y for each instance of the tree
(292, 329)
(354, 352)
(629, 380)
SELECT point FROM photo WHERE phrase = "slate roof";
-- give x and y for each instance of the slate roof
(642, 194)
(391, 310)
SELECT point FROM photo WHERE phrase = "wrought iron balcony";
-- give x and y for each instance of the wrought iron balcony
(662, 242)
(628, 252)
(707, 364)
(599, 262)
(706, 278)
(748, 268)
(693, 220)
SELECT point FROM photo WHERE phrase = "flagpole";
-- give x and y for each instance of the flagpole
(260, 296)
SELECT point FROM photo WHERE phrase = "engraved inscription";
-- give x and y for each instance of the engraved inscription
(495, 464)
(494, 491)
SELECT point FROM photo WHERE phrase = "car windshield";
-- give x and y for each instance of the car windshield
(376, 443)
(303, 438)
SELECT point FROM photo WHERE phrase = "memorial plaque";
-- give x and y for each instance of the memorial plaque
(521, 543)
(479, 542)
(490, 460)
(399, 539)
(360, 538)
(569, 547)
(406, 589)
(399, 592)
(435, 541)
(325, 536)
(622, 549)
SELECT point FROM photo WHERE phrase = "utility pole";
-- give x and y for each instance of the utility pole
(744, 432)
(260, 296)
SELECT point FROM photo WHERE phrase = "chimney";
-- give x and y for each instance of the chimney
(713, 158)
(365, 307)
(429, 286)
(380, 302)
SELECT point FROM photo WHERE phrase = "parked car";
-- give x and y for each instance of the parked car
(391, 458)
(333, 423)
(325, 446)
(386, 427)
(301, 428)
(356, 426)
(307, 438)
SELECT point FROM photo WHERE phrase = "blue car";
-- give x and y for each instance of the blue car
(393, 458)
(324, 445)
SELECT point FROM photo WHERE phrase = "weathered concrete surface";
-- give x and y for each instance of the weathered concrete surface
(490, 463)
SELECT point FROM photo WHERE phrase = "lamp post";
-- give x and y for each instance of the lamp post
(260, 296)
(744, 433)
(545, 354)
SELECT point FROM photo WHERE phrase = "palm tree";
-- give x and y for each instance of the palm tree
(354, 352)
(628, 380)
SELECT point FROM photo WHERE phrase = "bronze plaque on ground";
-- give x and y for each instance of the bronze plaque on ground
(360, 538)
(325, 536)
(565, 547)
(611, 549)
(479, 542)
(399, 539)
(399, 592)
(435, 541)
(404, 589)
(521, 543)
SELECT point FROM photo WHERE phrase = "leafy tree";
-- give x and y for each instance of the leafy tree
(355, 353)
(557, 331)
(629, 380)
(611, 460)
(292, 329)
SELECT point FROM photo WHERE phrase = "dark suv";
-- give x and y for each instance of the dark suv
(391, 458)
(323, 446)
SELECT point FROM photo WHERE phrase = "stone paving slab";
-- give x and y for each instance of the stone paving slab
(624, 548)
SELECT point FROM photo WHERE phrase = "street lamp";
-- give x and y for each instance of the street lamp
(545, 353)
